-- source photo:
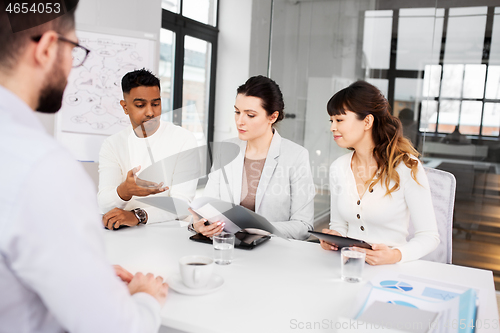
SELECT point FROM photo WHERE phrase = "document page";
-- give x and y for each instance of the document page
(454, 305)
(236, 217)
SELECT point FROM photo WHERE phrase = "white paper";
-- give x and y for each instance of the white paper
(213, 215)
(386, 314)
(204, 207)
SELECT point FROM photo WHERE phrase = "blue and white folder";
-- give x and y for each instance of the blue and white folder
(431, 306)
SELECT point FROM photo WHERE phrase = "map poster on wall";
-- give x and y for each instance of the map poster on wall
(91, 102)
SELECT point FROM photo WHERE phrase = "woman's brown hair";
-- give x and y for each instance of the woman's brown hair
(391, 147)
(269, 93)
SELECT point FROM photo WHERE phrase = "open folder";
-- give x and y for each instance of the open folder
(236, 217)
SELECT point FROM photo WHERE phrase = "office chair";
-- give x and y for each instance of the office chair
(443, 185)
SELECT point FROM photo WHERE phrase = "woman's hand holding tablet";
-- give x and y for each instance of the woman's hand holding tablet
(327, 245)
(333, 240)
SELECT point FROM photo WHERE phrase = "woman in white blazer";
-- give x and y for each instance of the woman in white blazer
(381, 184)
(270, 175)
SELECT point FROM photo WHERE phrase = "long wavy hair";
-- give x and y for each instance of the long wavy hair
(391, 148)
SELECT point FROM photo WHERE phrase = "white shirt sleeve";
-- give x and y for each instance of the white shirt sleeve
(337, 223)
(111, 173)
(419, 201)
(54, 246)
(110, 176)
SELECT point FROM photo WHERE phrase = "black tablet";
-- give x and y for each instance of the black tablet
(243, 240)
(341, 241)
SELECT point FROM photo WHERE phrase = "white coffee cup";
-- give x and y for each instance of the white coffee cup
(196, 271)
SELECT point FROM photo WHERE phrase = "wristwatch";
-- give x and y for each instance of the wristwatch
(141, 215)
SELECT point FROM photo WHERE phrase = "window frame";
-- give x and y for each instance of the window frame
(392, 73)
(183, 26)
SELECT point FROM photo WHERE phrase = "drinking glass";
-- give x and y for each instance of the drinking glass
(223, 248)
(351, 264)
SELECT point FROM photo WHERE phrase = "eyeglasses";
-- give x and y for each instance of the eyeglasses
(79, 53)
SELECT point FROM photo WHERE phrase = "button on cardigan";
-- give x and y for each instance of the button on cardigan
(381, 218)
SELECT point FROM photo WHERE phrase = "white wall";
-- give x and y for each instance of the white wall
(113, 16)
(143, 16)
(233, 59)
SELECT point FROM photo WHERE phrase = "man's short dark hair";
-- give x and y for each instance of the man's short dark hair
(138, 78)
(13, 44)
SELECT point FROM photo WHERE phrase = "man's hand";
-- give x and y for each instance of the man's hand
(135, 186)
(150, 285)
(329, 246)
(123, 274)
(117, 217)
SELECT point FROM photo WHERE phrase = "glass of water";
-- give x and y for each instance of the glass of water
(223, 248)
(351, 264)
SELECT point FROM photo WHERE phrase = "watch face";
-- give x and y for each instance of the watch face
(141, 215)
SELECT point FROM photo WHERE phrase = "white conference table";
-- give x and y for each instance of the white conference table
(272, 288)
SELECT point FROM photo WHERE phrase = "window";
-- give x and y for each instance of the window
(188, 56)
(195, 87)
(204, 11)
(453, 58)
(166, 72)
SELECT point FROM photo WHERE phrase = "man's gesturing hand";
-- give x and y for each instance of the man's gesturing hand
(138, 187)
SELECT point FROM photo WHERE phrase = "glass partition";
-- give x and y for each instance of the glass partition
(439, 67)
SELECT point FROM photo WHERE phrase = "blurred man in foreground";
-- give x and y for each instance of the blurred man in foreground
(53, 273)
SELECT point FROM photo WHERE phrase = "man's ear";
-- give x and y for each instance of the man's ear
(369, 121)
(124, 106)
(46, 49)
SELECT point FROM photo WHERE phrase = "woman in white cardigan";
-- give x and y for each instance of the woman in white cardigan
(270, 175)
(381, 184)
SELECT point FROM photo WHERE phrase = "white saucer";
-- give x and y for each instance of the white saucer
(175, 282)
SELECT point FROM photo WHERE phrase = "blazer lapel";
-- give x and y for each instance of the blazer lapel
(268, 170)
(235, 174)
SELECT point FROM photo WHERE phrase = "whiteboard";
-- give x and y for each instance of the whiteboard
(91, 102)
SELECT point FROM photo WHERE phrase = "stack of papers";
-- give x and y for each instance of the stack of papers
(412, 304)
